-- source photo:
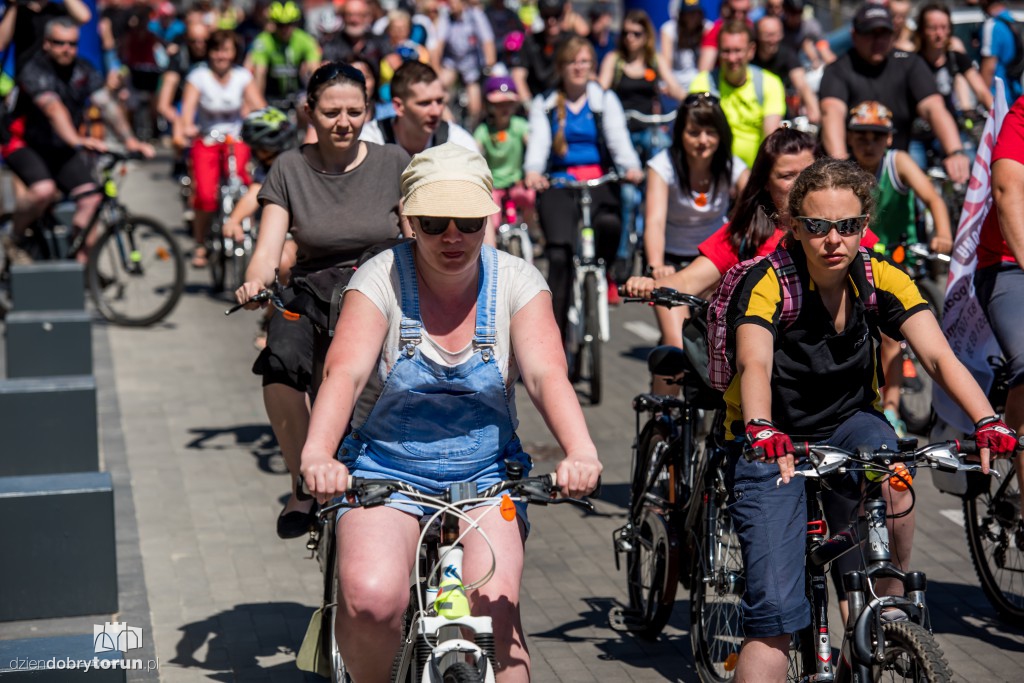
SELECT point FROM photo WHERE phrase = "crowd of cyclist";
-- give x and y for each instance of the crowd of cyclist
(543, 93)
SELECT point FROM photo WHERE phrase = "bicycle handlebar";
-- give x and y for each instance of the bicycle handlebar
(923, 251)
(360, 492)
(580, 184)
(267, 296)
(667, 297)
(827, 460)
(650, 119)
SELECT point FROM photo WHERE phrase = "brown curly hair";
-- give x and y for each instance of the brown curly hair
(828, 174)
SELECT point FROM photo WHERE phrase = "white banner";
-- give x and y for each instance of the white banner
(963, 321)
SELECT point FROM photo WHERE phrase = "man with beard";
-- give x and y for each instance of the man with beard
(357, 37)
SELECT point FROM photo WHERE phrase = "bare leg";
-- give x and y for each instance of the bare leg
(376, 549)
(891, 363)
(31, 204)
(499, 597)
(289, 418)
(85, 209)
(763, 660)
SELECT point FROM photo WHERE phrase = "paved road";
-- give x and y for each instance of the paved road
(223, 599)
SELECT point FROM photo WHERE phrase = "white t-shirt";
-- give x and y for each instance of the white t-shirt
(518, 283)
(686, 224)
(220, 104)
(456, 134)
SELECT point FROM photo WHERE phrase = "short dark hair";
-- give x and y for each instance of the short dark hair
(408, 75)
(334, 73)
(222, 37)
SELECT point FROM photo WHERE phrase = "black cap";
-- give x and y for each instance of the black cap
(793, 5)
(871, 17)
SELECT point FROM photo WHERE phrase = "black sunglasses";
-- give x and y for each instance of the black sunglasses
(332, 70)
(63, 43)
(693, 99)
(635, 34)
(822, 226)
(435, 225)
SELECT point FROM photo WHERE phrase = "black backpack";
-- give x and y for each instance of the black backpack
(1015, 69)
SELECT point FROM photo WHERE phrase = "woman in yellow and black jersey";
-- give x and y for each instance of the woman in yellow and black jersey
(817, 376)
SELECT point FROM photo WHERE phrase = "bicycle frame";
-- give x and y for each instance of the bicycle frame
(512, 227)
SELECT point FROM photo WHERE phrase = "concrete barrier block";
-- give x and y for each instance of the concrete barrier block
(48, 343)
(59, 659)
(49, 425)
(48, 286)
(59, 552)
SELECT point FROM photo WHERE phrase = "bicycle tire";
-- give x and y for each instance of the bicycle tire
(916, 400)
(590, 350)
(461, 672)
(158, 280)
(716, 619)
(911, 654)
(995, 539)
(652, 571)
(514, 246)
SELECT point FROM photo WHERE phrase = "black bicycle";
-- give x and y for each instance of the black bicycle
(873, 648)
(135, 271)
(659, 539)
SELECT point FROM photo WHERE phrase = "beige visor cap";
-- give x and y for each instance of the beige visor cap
(448, 181)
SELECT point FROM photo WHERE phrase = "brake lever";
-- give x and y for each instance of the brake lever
(576, 502)
(260, 297)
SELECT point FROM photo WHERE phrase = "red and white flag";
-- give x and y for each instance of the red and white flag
(963, 321)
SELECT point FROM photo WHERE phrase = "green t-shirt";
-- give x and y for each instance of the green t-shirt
(744, 111)
(283, 60)
(504, 150)
(895, 217)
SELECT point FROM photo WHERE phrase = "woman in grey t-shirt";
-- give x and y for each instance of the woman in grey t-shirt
(338, 197)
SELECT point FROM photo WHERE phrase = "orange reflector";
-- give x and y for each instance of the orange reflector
(730, 662)
(162, 254)
(901, 478)
(290, 316)
(508, 508)
(899, 254)
(909, 369)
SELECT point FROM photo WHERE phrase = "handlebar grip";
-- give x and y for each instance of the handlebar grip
(301, 490)
(968, 446)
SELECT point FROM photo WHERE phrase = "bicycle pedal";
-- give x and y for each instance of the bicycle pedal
(625, 620)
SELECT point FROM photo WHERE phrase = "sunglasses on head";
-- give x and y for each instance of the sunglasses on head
(696, 98)
(844, 226)
(332, 70)
(435, 225)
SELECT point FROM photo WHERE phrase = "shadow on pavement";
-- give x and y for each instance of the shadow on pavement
(668, 655)
(258, 438)
(963, 609)
(250, 633)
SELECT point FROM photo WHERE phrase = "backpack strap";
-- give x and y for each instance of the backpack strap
(756, 75)
(789, 285)
(713, 82)
(871, 302)
(441, 134)
(387, 129)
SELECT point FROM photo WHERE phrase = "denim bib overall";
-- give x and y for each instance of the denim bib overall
(435, 425)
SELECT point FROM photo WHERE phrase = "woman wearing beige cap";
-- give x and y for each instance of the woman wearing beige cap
(431, 340)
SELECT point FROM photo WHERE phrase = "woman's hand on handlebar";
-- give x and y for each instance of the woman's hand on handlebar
(941, 245)
(639, 286)
(536, 181)
(634, 176)
(772, 444)
(247, 291)
(326, 478)
(578, 475)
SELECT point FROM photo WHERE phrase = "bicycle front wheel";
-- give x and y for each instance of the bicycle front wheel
(995, 537)
(716, 588)
(136, 272)
(652, 570)
(461, 672)
(590, 350)
(911, 654)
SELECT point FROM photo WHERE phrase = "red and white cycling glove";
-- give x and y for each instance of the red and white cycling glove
(992, 433)
(767, 441)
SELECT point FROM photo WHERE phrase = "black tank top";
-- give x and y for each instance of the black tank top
(638, 94)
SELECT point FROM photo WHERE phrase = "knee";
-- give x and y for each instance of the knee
(89, 202)
(369, 597)
(43, 193)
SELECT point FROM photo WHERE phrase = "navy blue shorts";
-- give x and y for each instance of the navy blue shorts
(771, 522)
(999, 290)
